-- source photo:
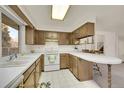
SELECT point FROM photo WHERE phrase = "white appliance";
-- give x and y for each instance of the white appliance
(52, 58)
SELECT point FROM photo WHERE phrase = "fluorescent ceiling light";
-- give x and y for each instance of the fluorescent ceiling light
(59, 11)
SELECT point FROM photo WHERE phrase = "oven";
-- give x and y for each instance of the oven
(51, 61)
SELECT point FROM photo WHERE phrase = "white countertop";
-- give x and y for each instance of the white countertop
(102, 59)
(8, 75)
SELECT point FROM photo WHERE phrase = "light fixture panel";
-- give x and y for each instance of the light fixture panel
(59, 11)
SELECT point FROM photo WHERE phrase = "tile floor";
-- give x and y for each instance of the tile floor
(65, 79)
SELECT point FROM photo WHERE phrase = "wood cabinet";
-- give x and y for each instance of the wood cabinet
(32, 75)
(70, 38)
(85, 30)
(73, 39)
(51, 36)
(85, 70)
(37, 72)
(28, 72)
(63, 38)
(64, 61)
(39, 37)
(75, 66)
(81, 69)
(30, 82)
(70, 62)
(29, 35)
(42, 63)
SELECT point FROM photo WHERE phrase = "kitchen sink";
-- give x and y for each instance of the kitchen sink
(16, 63)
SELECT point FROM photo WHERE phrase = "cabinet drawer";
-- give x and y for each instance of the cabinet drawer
(28, 72)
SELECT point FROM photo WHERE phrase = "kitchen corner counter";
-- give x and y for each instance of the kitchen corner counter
(102, 59)
(97, 58)
(10, 74)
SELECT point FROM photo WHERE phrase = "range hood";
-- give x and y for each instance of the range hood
(51, 37)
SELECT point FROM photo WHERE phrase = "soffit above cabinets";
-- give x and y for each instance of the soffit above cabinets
(106, 17)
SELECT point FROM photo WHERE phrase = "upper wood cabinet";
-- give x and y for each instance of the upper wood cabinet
(34, 37)
(85, 30)
(51, 36)
(72, 39)
(63, 38)
(39, 37)
(29, 35)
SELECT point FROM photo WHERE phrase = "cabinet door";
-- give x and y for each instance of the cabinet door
(28, 72)
(63, 38)
(36, 37)
(64, 62)
(83, 31)
(70, 38)
(90, 29)
(42, 63)
(75, 66)
(30, 82)
(41, 37)
(70, 62)
(29, 35)
(37, 74)
(85, 70)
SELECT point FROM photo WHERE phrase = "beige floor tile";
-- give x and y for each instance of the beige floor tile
(65, 79)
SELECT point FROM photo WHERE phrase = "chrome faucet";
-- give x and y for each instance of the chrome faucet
(13, 55)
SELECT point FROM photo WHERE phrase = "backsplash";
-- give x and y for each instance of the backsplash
(41, 48)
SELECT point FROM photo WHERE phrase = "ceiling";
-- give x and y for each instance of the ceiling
(106, 17)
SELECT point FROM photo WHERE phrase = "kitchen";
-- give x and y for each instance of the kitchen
(85, 47)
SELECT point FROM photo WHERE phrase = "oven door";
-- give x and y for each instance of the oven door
(51, 59)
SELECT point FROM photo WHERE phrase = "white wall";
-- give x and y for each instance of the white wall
(110, 42)
(0, 36)
(22, 46)
(121, 46)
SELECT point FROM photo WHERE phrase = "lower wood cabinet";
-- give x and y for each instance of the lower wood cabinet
(70, 62)
(85, 70)
(32, 75)
(30, 82)
(81, 69)
(42, 63)
(64, 61)
(37, 72)
(75, 66)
